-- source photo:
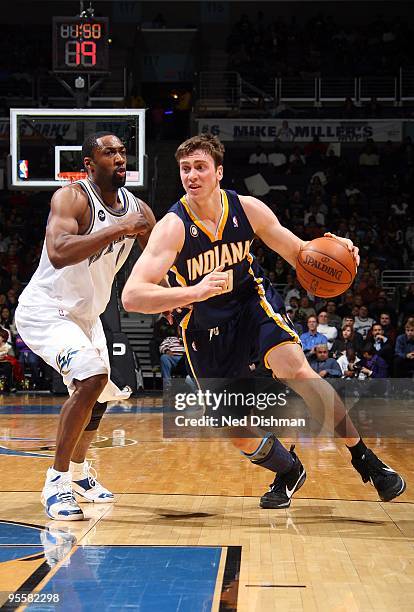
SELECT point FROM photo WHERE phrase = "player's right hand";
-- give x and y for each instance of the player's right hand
(212, 284)
(135, 223)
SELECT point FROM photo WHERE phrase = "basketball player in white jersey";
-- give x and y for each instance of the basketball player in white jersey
(90, 231)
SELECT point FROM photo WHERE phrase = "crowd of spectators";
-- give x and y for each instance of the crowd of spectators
(22, 221)
(366, 196)
(266, 47)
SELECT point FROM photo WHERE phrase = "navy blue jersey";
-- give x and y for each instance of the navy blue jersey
(203, 251)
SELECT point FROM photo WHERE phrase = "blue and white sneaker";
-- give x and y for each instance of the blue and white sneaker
(58, 499)
(88, 489)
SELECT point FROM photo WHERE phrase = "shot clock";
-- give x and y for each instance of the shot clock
(80, 45)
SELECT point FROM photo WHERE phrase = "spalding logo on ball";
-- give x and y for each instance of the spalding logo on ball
(325, 267)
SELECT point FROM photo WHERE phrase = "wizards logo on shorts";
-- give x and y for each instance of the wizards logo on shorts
(63, 360)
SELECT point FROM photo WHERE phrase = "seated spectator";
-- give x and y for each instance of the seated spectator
(292, 289)
(292, 314)
(369, 156)
(372, 365)
(325, 366)
(363, 322)
(277, 159)
(333, 318)
(315, 188)
(5, 317)
(349, 320)
(258, 157)
(387, 326)
(382, 345)
(10, 367)
(329, 331)
(381, 305)
(371, 291)
(297, 161)
(347, 362)
(280, 271)
(346, 339)
(407, 303)
(293, 304)
(28, 360)
(172, 351)
(306, 308)
(345, 308)
(319, 217)
(312, 337)
(404, 352)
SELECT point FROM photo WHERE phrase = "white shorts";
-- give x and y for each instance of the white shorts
(76, 349)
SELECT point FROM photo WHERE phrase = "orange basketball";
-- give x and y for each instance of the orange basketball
(325, 267)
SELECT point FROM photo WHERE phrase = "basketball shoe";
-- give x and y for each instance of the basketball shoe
(387, 482)
(85, 485)
(57, 497)
(285, 485)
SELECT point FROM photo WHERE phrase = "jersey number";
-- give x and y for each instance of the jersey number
(230, 279)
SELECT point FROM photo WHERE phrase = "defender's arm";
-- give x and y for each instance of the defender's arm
(64, 245)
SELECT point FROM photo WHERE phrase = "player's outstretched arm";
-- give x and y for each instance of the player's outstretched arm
(142, 292)
(65, 243)
(278, 238)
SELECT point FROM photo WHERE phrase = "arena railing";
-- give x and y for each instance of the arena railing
(219, 90)
(229, 89)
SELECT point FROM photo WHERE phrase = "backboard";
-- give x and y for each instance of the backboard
(46, 143)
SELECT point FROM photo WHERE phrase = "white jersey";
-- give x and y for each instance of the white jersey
(84, 289)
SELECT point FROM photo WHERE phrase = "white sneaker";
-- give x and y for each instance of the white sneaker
(88, 488)
(57, 497)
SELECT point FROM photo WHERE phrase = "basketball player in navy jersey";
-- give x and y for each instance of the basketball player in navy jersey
(203, 242)
(91, 229)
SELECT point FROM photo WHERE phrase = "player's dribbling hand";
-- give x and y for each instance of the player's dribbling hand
(348, 243)
(135, 223)
(212, 284)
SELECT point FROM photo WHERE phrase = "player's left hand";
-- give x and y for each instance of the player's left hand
(349, 245)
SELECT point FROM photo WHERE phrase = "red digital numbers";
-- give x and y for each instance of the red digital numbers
(80, 53)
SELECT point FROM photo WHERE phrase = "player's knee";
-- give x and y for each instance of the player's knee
(293, 366)
(97, 413)
(94, 385)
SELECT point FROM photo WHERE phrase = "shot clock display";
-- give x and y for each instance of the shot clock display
(80, 45)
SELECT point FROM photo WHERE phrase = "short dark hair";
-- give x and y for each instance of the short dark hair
(91, 142)
(368, 348)
(204, 142)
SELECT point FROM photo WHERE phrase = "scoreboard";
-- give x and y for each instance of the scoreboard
(80, 45)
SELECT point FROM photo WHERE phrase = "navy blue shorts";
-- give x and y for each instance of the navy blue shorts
(228, 350)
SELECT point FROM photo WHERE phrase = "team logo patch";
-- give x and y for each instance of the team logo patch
(63, 360)
(101, 215)
(235, 222)
(193, 231)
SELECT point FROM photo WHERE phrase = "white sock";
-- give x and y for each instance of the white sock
(76, 468)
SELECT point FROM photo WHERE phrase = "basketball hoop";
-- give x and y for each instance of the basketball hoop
(72, 176)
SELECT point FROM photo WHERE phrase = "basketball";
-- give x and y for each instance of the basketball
(325, 267)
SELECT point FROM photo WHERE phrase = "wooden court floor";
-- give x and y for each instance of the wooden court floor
(337, 548)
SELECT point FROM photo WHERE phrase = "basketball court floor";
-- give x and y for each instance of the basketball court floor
(186, 533)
